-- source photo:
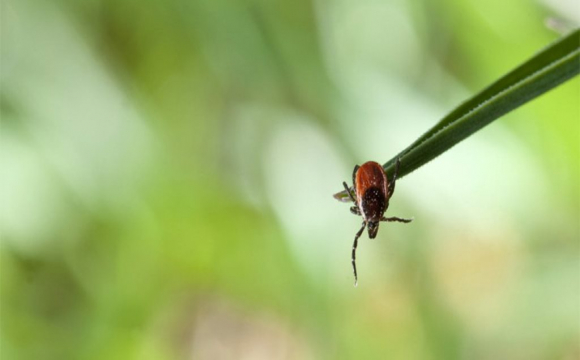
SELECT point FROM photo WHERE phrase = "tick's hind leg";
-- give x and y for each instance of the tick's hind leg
(394, 218)
(355, 210)
(358, 234)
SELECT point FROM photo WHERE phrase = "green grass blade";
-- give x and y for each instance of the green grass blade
(547, 69)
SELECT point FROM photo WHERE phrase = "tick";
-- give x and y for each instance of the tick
(372, 191)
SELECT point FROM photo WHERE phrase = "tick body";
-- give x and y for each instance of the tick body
(371, 195)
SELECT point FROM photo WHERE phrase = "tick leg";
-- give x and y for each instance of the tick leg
(348, 192)
(396, 219)
(358, 234)
(354, 176)
(355, 210)
(391, 188)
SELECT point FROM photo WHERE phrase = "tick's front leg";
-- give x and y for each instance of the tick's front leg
(348, 192)
(353, 255)
(356, 167)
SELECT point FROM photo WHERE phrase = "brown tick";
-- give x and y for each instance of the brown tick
(372, 191)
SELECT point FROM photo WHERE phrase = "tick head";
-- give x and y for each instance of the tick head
(373, 229)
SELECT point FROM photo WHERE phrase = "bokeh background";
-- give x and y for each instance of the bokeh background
(168, 170)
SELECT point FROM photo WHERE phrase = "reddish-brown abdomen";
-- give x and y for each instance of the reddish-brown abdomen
(371, 175)
(371, 190)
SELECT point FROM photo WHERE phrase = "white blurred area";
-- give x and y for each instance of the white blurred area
(302, 171)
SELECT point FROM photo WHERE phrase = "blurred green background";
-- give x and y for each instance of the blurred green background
(168, 170)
